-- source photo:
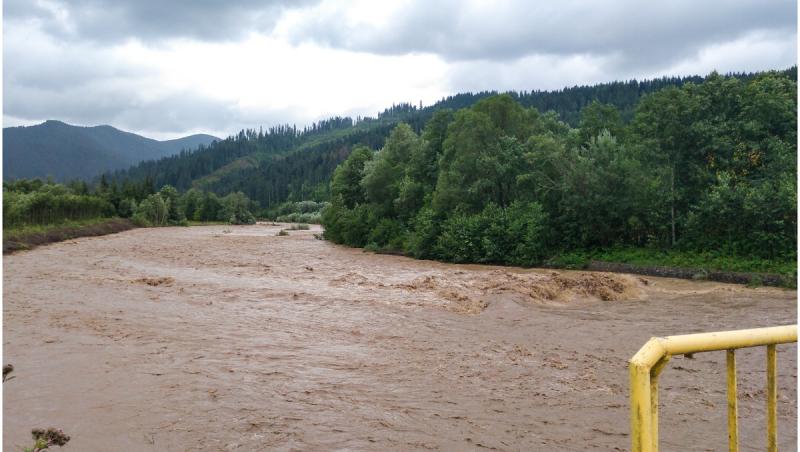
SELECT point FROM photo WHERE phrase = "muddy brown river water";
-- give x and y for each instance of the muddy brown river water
(232, 338)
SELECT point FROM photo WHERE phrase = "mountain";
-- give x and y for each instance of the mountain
(66, 152)
(285, 163)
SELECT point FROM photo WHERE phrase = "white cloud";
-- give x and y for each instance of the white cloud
(755, 51)
(343, 58)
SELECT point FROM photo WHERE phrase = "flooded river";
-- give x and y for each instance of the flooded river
(233, 338)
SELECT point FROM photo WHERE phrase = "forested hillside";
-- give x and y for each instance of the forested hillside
(64, 152)
(706, 167)
(705, 171)
(285, 163)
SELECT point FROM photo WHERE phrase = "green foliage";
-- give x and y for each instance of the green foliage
(38, 203)
(348, 226)
(470, 138)
(284, 163)
(653, 257)
(346, 183)
(298, 212)
(236, 209)
(497, 235)
(191, 201)
(384, 176)
(597, 118)
(426, 227)
(175, 209)
(45, 439)
(701, 168)
(152, 211)
(209, 208)
(763, 211)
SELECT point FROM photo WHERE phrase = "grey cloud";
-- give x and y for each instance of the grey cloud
(630, 31)
(89, 94)
(172, 115)
(150, 20)
(62, 65)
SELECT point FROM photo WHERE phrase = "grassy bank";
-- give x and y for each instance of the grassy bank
(30, 236)
(698, 265)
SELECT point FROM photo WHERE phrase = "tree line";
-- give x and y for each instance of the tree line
(39, 203)
(705, 166)
(284, 163)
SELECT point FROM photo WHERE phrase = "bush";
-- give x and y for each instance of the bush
(242, 217)
(461, 239)
(512, 235)
(126, 208)
(421, 241)
(299, 212)
(350, 227)
(387, 235)
(50, 204)
(315, 218)
(172, 199)
(236, 209)
(152, 211)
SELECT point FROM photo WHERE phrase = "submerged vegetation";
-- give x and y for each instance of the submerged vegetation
(705, 172)
(298, 212)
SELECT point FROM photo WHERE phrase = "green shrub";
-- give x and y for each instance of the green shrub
(152, 211)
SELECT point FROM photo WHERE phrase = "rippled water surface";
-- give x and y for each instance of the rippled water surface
(233, 338)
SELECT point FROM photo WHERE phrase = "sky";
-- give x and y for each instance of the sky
(166, 69)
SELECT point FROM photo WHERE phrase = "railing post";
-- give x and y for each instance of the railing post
(733, 415)
(641, 415)
(655, 372)
(772, 400)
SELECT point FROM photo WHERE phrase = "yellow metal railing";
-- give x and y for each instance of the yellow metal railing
(648, 363)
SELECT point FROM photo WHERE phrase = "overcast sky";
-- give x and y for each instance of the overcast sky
(166, 68)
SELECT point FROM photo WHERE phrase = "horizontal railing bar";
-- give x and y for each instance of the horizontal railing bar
(726, 340)
(658, 347)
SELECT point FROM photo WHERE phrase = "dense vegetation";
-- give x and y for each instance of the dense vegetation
(702, 168)
(285, 163)
(298, 212)
(34, 203)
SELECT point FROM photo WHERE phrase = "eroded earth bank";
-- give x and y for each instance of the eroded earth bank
(234, 338)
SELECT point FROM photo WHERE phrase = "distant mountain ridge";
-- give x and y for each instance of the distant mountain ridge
(63, 151)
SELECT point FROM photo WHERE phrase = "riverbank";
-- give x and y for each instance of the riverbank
(28, 237)
(684, 265)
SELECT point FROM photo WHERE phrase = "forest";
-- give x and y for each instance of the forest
(287, 163)
(703, 167)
